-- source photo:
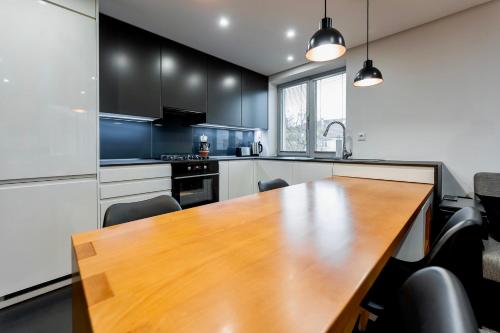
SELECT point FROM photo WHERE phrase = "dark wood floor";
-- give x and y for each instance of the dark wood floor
(50, 312)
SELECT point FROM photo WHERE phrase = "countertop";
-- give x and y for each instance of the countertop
(117, 162)
(267, 262)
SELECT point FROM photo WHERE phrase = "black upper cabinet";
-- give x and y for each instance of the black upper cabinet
(254, 87)
(184, 78)
(224, 93)
(130, 79)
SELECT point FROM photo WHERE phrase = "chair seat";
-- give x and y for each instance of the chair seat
(491, 260)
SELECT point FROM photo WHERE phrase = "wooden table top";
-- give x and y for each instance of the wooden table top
(297, 259)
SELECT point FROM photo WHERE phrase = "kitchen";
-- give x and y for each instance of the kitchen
(207, 105)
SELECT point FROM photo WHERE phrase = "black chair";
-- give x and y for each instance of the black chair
(271, 184)
(126, 212)
(432, 300)
(457, 248)
(487, 190)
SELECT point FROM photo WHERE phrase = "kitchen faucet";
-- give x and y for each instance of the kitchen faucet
(345, 153)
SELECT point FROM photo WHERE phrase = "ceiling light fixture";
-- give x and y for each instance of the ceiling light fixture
(327, 43)
(290, 34)
(223, 22)
(290, 58)
(368, 75)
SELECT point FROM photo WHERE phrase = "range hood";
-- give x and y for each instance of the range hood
(186, 117)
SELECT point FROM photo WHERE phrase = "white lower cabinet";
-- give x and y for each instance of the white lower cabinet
(124, 184)
(223, 180)
(309, 171)
(37, 221)
(267, 170)
(240, 178)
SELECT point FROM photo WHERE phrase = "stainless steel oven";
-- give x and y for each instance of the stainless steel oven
(195, 183)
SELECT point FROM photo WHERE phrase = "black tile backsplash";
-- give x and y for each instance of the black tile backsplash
(131, 139)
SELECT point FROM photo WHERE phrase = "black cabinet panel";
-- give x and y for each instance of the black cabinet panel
(184, 78)
(130, 80)
(224, 93)
(254, 107)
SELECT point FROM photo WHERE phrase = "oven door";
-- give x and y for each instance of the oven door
(196, 190)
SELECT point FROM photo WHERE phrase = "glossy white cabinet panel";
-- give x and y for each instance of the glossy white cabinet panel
(48, 100)
(133, 172)
(240, 178)
(267, 170)
(223, 181)
(415, 174)
(37, 220)
(87, 7)
(414, 245)
(132, 198)
(120, 189)
(309, 171)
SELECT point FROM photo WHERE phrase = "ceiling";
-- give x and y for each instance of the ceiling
(255, 37)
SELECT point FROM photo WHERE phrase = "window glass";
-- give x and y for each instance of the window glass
(330, 106)
(294, 118)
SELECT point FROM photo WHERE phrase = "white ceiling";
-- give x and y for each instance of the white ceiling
(256, 36)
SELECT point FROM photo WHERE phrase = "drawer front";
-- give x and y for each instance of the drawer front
(134, 172)
(386, 172)
(112, 190)
(132, 198)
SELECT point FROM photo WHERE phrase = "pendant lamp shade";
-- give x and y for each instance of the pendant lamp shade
(368, 75)
(327, 43)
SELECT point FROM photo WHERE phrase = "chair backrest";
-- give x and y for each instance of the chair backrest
(271, 184)
(433, 300)
(487, 189)
(459, 249)
(126, 212)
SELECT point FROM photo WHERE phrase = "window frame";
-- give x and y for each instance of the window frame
(310, 114)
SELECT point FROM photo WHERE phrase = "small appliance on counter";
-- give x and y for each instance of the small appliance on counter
(204, 146)
(256, 148)
(243, 151)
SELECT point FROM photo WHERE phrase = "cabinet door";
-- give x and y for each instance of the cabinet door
(267, 170)
(86, 7)
(48, 95)
(184, 78)
(224, 93)
(254, 89)
(223, 181)
(38, 220)
(240, 178)
(309, 171)
(129, 62)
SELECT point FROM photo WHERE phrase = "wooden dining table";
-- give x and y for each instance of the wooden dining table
(296, 259)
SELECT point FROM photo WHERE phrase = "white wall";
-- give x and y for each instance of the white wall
(440, 99)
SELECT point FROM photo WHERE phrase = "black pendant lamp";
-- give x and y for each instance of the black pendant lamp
(368, 75)
(327, 43)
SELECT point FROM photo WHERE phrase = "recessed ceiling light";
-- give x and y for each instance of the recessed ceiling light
(290, 33)
(41, 2)
(83, 92)
(223, 22)
(6, 80)
(290, 58)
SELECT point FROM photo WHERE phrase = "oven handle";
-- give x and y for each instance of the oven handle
(197, 176)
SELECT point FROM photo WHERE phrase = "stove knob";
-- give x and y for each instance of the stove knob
(189, 168)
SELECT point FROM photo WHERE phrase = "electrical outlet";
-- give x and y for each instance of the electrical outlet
(361, 137)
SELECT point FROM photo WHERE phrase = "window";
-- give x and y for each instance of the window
(294, 118)
(321, 99)
(330, 106)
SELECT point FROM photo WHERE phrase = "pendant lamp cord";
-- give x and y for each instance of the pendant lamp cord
(325, 8)
(367, 23)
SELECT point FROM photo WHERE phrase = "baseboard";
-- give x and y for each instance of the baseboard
(33, 292)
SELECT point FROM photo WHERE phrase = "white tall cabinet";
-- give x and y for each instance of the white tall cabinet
(48, 137)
